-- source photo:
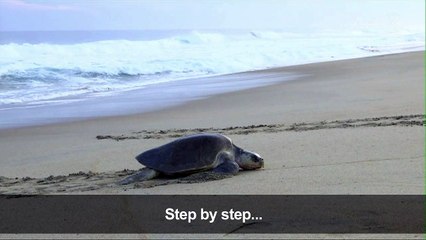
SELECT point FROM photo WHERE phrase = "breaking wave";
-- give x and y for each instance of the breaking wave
(34, 72)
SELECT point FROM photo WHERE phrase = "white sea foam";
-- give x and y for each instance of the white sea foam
(34, 72)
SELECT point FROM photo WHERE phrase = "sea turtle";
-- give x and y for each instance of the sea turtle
(192, 154)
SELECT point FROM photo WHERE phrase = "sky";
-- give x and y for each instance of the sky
(289, 15)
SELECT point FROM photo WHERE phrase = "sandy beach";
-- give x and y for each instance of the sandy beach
(345, 127)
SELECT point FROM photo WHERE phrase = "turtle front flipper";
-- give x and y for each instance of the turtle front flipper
(143, 175)
(228, 167)
(227, 164)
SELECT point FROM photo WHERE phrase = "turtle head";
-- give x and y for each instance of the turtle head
(248, 160)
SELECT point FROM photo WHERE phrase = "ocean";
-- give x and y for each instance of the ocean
(39, 70)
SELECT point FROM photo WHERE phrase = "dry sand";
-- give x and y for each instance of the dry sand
(346, 127)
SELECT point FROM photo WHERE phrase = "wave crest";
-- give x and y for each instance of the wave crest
(34, 71)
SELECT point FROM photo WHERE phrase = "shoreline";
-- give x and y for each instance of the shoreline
(154, 98)
(382, 97)
(151, 98)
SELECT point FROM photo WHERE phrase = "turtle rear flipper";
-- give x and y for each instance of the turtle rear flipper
(143, 175)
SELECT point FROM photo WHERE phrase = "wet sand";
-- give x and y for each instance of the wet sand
(345, 127)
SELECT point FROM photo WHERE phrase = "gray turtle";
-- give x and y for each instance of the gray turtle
(192, 154)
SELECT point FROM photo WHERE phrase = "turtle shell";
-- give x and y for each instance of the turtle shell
(187, 155)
